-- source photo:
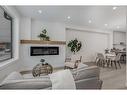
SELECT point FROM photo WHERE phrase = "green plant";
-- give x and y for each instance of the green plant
(43, 35)
(74, 45)
(42, 60)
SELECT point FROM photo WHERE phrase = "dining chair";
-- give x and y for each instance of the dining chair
(116, 60)
(101, 61)
(72, 62)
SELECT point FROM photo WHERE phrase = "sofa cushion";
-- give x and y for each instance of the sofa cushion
(12, 76)
(35, 83)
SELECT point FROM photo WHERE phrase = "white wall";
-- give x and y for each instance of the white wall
(56, 31)
(118, 37)
(25, 28)
(93, 42)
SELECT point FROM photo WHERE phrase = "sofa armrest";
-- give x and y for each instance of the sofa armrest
(84, 73)
(27, 84)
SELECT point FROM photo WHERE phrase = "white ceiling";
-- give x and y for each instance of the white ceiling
(80, 15)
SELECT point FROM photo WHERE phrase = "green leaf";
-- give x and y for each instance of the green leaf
(74, 45)
(43, 35)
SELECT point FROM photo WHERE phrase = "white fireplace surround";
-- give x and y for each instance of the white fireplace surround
(56, 31)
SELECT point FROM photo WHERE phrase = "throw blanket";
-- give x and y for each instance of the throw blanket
(62, 80)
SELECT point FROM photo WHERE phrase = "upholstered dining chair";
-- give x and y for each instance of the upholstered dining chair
(100, 60)
(72, 62)
(116, 60)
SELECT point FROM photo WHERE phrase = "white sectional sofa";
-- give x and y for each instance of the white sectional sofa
(85, 78)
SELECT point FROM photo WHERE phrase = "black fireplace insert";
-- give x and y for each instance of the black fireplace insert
(44, 50)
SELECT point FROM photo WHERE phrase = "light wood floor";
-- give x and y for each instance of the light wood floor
(112, 78)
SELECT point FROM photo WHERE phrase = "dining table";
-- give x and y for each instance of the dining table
(110, 55)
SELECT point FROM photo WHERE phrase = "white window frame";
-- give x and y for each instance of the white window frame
(15, 44)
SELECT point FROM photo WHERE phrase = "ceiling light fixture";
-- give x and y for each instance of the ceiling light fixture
(106, 24)
(68, 17)
(114, 8)
(39, 11)
(90, 21)
(118, 27)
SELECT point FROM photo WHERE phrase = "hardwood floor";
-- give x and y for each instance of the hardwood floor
(112, 78)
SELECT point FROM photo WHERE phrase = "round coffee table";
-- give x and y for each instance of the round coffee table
(42, 69)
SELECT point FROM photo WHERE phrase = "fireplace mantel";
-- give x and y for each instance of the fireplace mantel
(42, 42)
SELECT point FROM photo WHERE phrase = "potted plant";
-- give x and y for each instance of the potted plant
(43, 35)
(74, 45)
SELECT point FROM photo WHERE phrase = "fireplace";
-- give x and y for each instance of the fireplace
(44, 50)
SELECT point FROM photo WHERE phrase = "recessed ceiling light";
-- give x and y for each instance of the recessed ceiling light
(118, 27)
(90, 21)
(114, 8)
(68, 17)
(106, 24)
(40, 11)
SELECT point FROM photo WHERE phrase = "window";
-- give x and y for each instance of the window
(5, 35)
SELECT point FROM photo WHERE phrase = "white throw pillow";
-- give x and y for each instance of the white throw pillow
(62, 79)
(70, 64)
(74, 58)
(13, 76)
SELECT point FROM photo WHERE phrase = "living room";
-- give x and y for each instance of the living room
(96, 27)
